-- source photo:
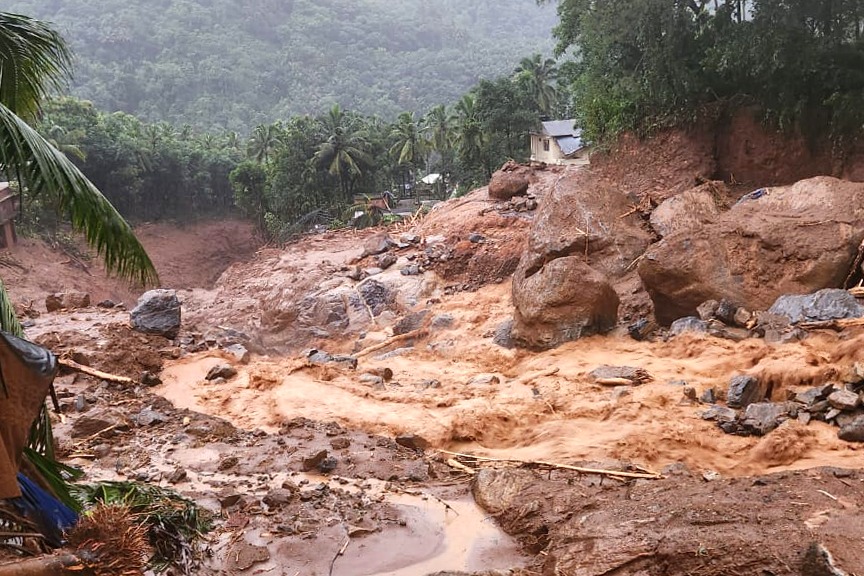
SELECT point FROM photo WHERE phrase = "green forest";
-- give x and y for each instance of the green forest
(633, 65)
(230, 64)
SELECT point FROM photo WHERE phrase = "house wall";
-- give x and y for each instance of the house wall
(554, 154)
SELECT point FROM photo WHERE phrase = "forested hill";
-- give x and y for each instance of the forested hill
(237, 63)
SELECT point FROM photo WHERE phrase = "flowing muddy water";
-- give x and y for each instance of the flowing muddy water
(544, 406)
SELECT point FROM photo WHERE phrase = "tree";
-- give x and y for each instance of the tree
(343, 153)
(537, 75)
(409, 146)
(263, 142)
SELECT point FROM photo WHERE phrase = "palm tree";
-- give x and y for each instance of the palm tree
(408, 147)
(537, 76)
(263, 142)
(469, 135)
(344, 152)
(33, 61)
(438, 128)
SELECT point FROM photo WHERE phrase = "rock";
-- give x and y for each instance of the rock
(157, 312)
(106, 304)
(372, 379)
(411, 270)
(720, 414)
(413, 442)
(278, 497)
(105, 421)
(818, 561)
(688, 324)
(377, 244)
(417, 471)
(828, 304)
(763, 417)
(327, 465)
(744, 390)
(375, 295)
(354, 273)
(578, 247)
(751, 254)
(561, 301)
(54, 302)
(709, 396)
(484, 380)
(707, 310)
(476, 238)
(340, 443)
(411, 322)
(242, 555)
(319, 357)
(831, 414)
(229, 500)
(443, 321)
(221, 371)
(711, 475)
(721, 330)
(689, 209)
(844, 400)
(228, 463)
(238, 352)
(177, 475)
(635, 376)
(813, 395)
(852, 431)
(384, 261)
(497, 490)
(507, 183)
(311, 461)
(80, 403)
(742, 317)
(641, 329)
(150, 379)
(148, 417)
(76, 300)
(502, 335)
(409, 238)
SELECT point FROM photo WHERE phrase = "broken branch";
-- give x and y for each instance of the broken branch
(75, 366)
(613, 473)
(419, 333)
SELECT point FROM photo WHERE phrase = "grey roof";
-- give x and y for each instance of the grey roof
(557, 128)
(570, 144)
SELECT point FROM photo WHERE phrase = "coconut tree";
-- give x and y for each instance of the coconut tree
(344, 151)
(263, 142)
(438, 128)
(537, 75)
(34, 60)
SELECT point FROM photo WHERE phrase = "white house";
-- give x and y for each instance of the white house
(559, 142)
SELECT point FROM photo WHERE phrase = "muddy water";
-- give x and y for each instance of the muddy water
(528, 413)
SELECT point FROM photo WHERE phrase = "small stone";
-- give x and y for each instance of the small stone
(411, 270)
(709, 396)
(106, 304)
(832, 414)
(707, 310)
(413, 442)
(762, 417)
(725, 312)
(484, 380)
(409, 238)
(340, 443)
(372, 379)
(853, 431)
(476, 238)
(804, 417)
(689, 393)
(150, 379)
(813, 395)
(80, 403)
(443, 321)
(688, 324)
(744, 390)
(177, 476)
(355, 273)
(221, 371)
(742, 317)
(711, 475)
(417, 471)
(54, 302)
(844, 400)
(719, 414)
(677, 383)
(278, 497)
(230, 500)
(327, 465)
(227, 463)
(503, 334)
(385, 261)
(312, 461)
(238, 352)
(148, 417)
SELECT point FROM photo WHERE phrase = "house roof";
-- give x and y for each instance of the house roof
(570, 144)
(556, 128)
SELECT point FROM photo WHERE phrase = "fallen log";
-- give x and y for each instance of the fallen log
(75, 366)
(839, 324)
(419, 333)
(55, 565)
(647, 475)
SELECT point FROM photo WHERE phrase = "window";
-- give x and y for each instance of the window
(545, 145)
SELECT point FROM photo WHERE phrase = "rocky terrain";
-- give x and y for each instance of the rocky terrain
(627, 368)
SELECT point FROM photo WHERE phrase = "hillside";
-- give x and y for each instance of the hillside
(231, 64)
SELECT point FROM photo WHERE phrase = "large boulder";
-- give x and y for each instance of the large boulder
(157, 312)
(511, 180)
(581, 241)
(787, 240)
(689, 209)
(821, 306)
(562, 301)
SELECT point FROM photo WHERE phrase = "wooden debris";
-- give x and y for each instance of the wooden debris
(453, 463)
(840, 324)
(75, 366)
(419, 333)
(645, 474)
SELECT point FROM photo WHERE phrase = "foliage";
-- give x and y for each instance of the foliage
(174, 524)
(221, 64)
(639, 64)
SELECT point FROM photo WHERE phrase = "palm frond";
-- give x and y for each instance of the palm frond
(55, 474)
(46, 170)
(33, 61)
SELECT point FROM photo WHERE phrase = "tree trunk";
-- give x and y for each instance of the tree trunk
(55, 565)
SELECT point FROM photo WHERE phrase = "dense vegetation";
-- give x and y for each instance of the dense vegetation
(646, 63)
(227, 64)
